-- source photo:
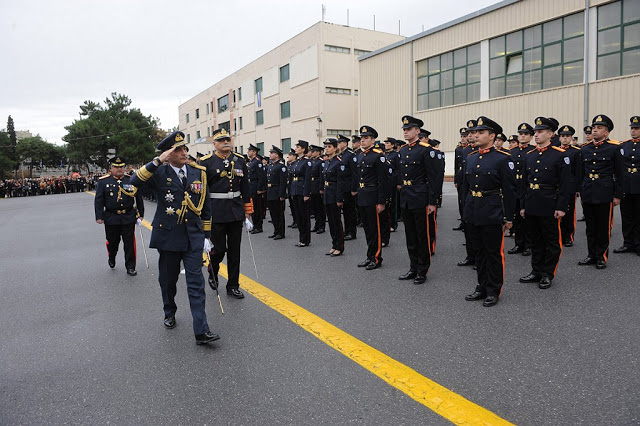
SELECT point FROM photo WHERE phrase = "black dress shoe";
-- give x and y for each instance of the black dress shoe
(208, 337)
(475, 267)
(235, 292)
(514, 250)
(525, 252)
(278, 237)
(466, 262)
(373, 265)
(170, 321)
(132, 272)
(336, 254)
(582, 219)
(294, 226)
(531, 278)
(408, 276)
(587, 261)
(476, 295)
(623, 249)
(291, 226)
(112, 263)
(302, 245)
(420, 279)
(459, 228)
(271, 236)
(601, 264)
(384, 244)
(314, 230)
(330, 253)
(256, 231)
(490, 301)
(545, 283)
(364, 264)
(569, 244)
(320, 231)
(349, 237)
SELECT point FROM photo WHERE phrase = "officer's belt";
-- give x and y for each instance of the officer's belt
(125, 211)
(536, 186)
(328, 183)
(594, 176)
(253, 180)
(632, 169)
(223, 195)
(413, 182)
(295, 178)
(518, 177)
(480, 194)
(271, 185)
(367, 185)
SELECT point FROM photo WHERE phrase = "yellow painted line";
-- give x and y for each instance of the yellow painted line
(432, 395)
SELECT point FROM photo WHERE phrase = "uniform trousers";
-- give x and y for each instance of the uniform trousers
(599, 220)
(257, 214)
(168, 273)
(350, 214)
(292, 208)
(394, 209)
(303, 219)
(371, 225)
(417, 238)
(433, 231)
(630, 211)
(335, 226)
(522, 238)
(385, 224)
(128, 234)
(568, 221)
(317, 207)
(546, 249)
(227, 238)
(461, 196)
(276, 210)
(488, 243)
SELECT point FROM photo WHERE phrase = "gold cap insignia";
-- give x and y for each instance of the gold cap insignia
(523, 127)
(179, 138)
(635, 119)
(599, 118)
(223, 132)
(480, 122)
(118, 160)
(566, 129)
(470, 124)
(539, 122)
(588, 129)
(405, 121)
(364, 130)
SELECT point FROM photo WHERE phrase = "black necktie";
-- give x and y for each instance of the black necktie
(182, 178)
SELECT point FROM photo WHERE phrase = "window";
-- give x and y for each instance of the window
(336, 132)
(355, 92)
(226, 125)
(259, 117)
(285, 110)
(359, 52)
(207, 108)
(539, 57)
(234, 97)
(235, 124)
(208, 131)
(223, 103)
(197, 113)
(211, 106)
(198, 134)
(260, 147)
(284, 73)
(338, 90)
(286, 145)
(239, 93)
(240, 119)
(338, 49)
(258, 85)
(618, 39)
(188, 138)
(449, 79)
(187, 117)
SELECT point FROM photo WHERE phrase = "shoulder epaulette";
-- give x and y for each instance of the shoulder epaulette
(425, 144)
(575, 147)
(558, 148)
(473, 152)
(197, 166)
(206, 157)
(613, 142)
(377, 151)
(105, 176)
(503, 152)
(529, 152)
(588, 143)
(238, 155)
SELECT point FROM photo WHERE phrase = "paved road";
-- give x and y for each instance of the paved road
(81, 343)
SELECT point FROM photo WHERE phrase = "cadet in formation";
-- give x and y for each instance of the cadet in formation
(257, 186)
(315, 200)
(522, 240)
(276, 191)
(301, 191)
(332, 196)
(349, 187)
(630, 202)
(568, 222)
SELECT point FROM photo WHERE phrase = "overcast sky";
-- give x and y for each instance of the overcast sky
(57, 54)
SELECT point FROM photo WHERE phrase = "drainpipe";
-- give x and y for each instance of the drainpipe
(586, 62)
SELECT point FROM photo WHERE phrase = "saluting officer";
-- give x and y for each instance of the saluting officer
(521, 239)
(419, 195)
(471, 139)
(601, 176)
(332, 195)
(115, 208)
(489, 209)
(457, 174)
(276, 191)
(181, 228)
(230, 204)
(257, 186)
(630, 203)
(301, 191)
(544, 200)
(349, 186)
(568, 222)
(316, 203)
(373, 181)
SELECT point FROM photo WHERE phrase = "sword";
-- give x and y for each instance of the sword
(213, 282)
(253, 256)
(144, 250)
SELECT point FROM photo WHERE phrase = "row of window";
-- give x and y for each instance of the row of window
(535, 58)
(340, 49)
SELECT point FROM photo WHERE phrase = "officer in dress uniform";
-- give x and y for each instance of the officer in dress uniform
(230, 205)
(118, 206)
(544, 201)
(419, 194)
(349, 186)
(301, 191)
(276, 191)
(181, 228)
(600, 175)
(471, 139)
(373, 181)
(257, 186)
(316, 203)
(332, 195)
(393, 158)
(522, 240)
(291, 158)
(457, 174)
(568, 222)
(489, 208)
(630, 203)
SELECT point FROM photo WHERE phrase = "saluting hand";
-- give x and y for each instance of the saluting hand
(165, 155)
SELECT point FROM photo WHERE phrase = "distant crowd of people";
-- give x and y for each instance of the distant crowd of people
(29, 187)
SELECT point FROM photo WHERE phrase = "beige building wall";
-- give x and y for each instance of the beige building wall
(388, 80)
(312, 69)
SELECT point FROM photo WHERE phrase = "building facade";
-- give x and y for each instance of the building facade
(306, 88)
(512, 61)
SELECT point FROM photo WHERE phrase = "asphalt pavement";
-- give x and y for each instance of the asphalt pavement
(81, 343)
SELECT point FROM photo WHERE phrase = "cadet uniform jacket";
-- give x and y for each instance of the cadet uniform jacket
(630, 151)
(257, 176)
(333, 192)
(573, 152)
(277, 176)
(348, 176)
(316, 175)
(547, 182)
(228, 186)
(301, 177)
(420, 175)
(458, 174)
(114, 201)
(373, 177)
(600, 173)
(183, 214)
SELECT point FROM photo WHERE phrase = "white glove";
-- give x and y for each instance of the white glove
(248, 224)
(208, 245)
(139, 222)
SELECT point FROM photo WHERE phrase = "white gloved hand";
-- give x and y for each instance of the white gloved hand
(139, 222)
(208, 245)
(248, 224)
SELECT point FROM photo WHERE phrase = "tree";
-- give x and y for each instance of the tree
(35, 150)
(13, 141)
(6, 163)
(114, 126)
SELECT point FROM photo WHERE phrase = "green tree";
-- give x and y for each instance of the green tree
(13, 141)
(6, 162)
(112, 126)
(35, 150)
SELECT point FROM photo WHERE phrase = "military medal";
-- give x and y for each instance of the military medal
(127, 187)
(196, 186)
(226, 162)
(170, 211)
(169, 197)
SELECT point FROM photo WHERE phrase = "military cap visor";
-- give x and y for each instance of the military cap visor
(253, 148)
(602, 120)
(501, 136)
(355, 137)
(543, 123)
(525, 128)
(463, 131)
(303, 144)
(331, 141)
(221, 134)
(485, 123)
(343, 138)
(434, 142)
(174, 140)
(424, 133)
(567, 130)
(276, 150)
(587, 130)
(368, 131)
(634, 121)
(117, 162)
(409, 122)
